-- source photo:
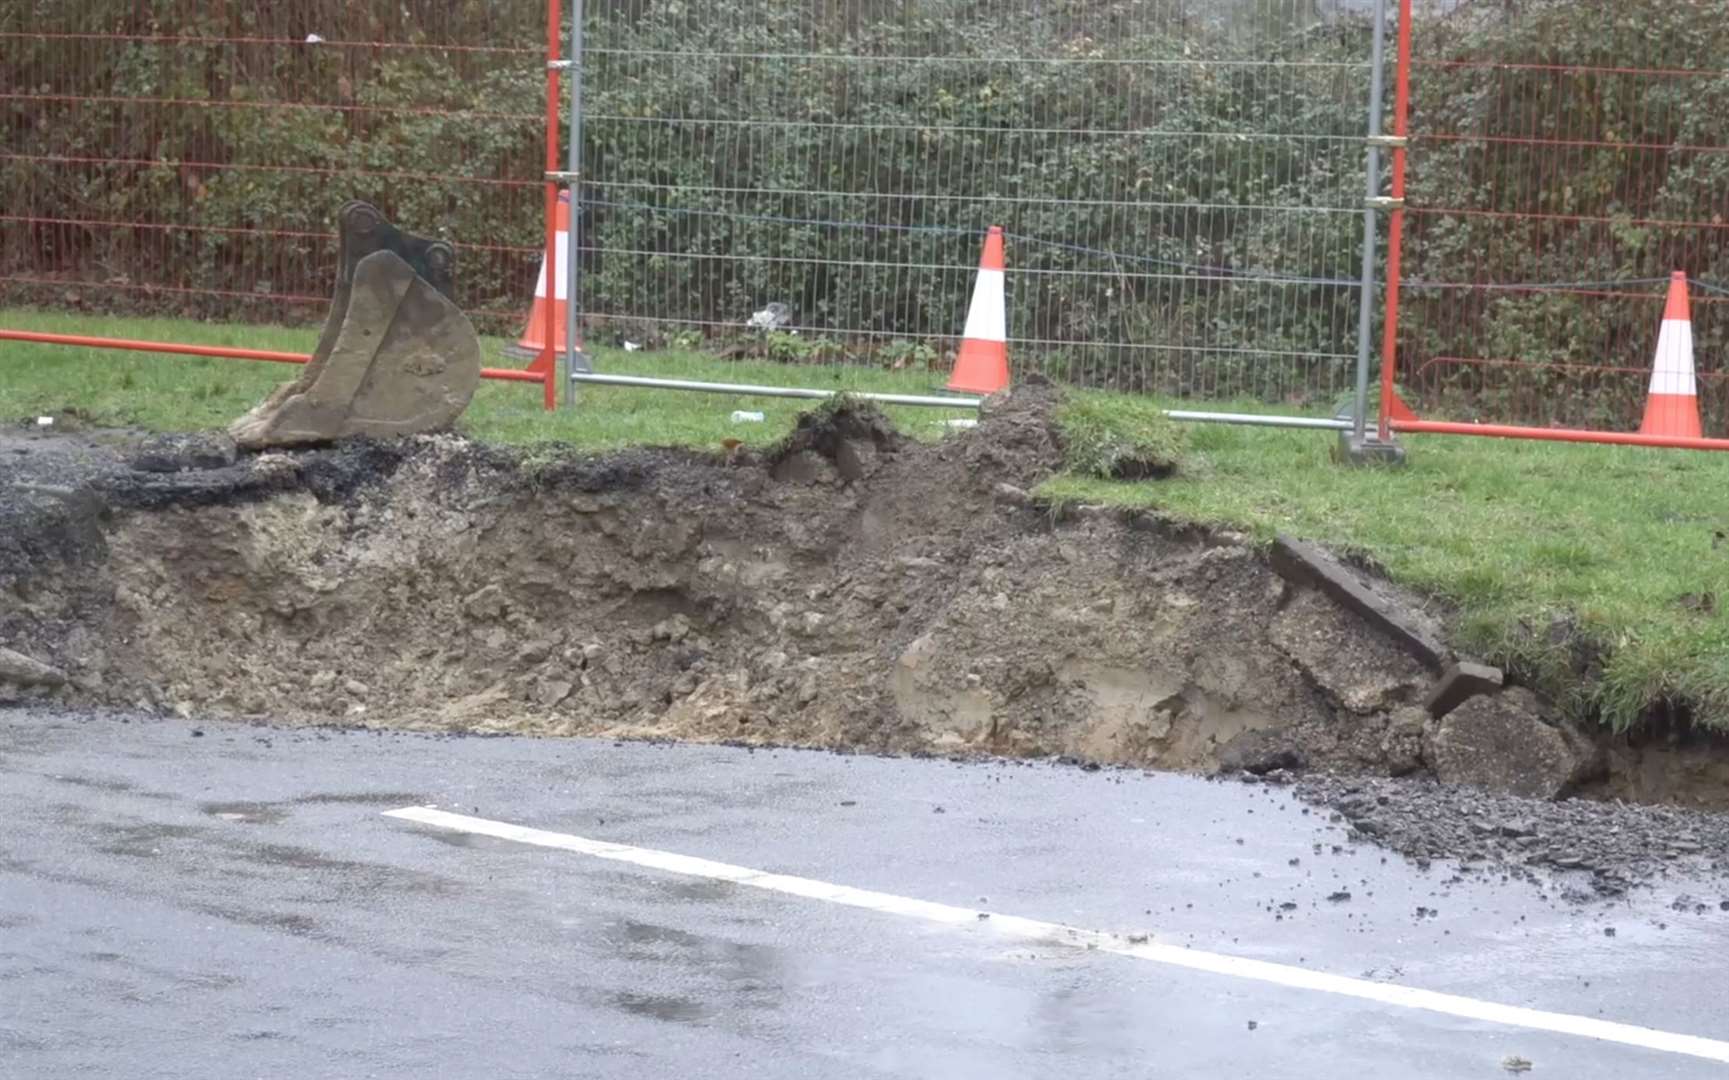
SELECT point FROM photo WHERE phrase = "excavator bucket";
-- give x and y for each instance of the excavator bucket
(396, 356)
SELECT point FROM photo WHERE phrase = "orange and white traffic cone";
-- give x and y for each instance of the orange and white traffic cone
(533, 341)
(983, 364)
(1672, 408)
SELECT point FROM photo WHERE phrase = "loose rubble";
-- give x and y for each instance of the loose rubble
(1612, 846)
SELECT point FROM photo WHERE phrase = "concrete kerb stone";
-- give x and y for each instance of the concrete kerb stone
(21, 670)
(1460, 683)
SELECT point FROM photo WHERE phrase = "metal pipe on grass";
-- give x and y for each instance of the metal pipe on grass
(225, 352)
(1310, 423)
(750, 390)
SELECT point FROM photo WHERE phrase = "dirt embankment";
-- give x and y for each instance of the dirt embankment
(853, 590)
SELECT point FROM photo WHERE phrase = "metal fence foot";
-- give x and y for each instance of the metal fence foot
(1366, 449)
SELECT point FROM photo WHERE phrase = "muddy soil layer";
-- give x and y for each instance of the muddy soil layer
(852, 590)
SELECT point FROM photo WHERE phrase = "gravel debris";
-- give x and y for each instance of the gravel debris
(1618, 846)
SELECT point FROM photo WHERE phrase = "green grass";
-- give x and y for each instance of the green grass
(1619, 543)
(175, 393)
(1113, 436)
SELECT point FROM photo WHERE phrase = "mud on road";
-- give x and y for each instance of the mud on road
(852, 590)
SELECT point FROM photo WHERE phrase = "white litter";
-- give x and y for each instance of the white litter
(772, 317)
(44, 421)
(739, 416)
(633, 346)
(313, 39)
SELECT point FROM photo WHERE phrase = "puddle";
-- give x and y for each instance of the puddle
(143, 841)
(688, 890)
(467, 840)
(305, 859)
(675, 1010)
(248, 813)
(363, 798)
(297, 925)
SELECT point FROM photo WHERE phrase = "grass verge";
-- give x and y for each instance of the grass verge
(174, 393)
(1117, 437)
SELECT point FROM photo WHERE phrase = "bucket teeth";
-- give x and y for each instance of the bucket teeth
(396, 356)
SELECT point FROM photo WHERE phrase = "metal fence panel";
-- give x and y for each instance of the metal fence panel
(1567, 157)
(187, 157)
(1181, 182)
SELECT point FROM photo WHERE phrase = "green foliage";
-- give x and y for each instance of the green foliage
(1152, 128)
(234, 197)
(784, 348)
(1149, 159)
(901, 353)
(902, 117)
(1577, 167)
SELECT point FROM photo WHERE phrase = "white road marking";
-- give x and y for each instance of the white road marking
(1057, 934)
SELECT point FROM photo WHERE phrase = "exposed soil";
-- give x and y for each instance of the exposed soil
(852, 590)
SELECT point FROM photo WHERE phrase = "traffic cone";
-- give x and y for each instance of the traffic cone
(533, 340)
(983, 364)
(1673, 405)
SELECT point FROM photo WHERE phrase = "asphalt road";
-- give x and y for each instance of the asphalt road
(236, 904)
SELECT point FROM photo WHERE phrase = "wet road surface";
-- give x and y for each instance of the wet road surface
(237, 904)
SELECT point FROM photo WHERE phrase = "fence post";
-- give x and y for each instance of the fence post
(574, 358)
(1358, 447)
(548, 359)
(1396, 225)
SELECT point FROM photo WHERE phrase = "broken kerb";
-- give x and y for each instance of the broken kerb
(396, 356)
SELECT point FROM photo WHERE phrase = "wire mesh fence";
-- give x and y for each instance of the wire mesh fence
(1180, 182)
(187, 157)
(1567, 158)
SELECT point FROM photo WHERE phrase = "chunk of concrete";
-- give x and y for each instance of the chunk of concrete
(1460, 683)
(1507, 743)
(396, 356)
(21, 670)
(1376, 602)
